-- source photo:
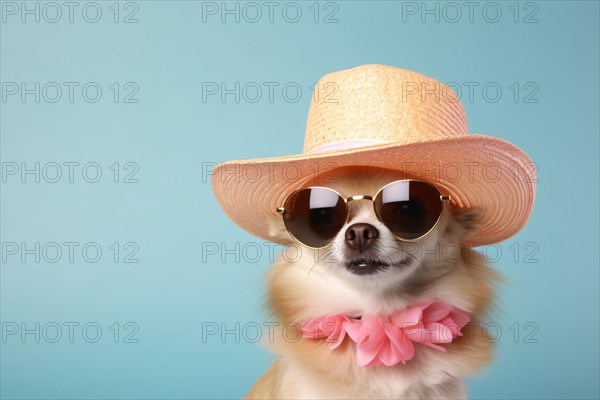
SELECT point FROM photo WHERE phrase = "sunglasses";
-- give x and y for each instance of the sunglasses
(410, 209)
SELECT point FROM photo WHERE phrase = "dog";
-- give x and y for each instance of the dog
(386, 297)
(377, 277)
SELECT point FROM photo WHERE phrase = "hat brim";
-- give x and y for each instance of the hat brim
(475, 170)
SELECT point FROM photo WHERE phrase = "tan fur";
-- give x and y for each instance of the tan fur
(307, 288)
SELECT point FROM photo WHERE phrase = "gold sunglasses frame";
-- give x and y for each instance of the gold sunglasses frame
(443, 199)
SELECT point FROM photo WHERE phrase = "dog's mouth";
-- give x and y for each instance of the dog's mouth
(369, 266)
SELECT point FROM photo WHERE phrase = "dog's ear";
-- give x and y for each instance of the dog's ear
(464, 221)
(278, 231)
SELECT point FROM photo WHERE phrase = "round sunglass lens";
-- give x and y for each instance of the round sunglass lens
(314, 215)
(410, 209)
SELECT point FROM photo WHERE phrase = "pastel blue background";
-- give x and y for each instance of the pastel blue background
(173, 136)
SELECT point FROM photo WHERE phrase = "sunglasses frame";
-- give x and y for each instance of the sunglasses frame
(443, 198)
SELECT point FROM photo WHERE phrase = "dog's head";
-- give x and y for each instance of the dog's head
(365, 252)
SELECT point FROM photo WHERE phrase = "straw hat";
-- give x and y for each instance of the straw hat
(382, 116)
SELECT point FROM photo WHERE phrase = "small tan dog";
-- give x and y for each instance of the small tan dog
(393, 275)
(386, 299)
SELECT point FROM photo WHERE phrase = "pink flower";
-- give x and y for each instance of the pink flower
(439, 323)
(388, 339)
(331, 327)
(378, 341)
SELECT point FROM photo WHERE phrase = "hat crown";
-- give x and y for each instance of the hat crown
(374, 104)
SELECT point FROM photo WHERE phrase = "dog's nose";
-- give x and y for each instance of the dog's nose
(361, 236)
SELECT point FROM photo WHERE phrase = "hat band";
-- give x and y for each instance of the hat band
(345, 145)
